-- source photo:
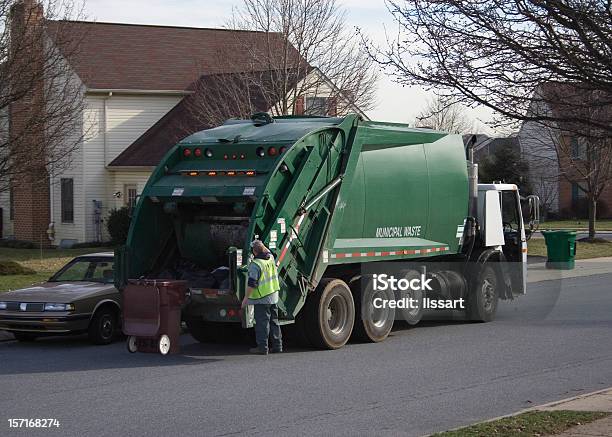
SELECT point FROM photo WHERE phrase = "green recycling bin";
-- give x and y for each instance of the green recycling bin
(560, 249)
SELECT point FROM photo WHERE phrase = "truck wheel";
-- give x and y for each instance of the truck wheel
(211, 332)
(330, 314)
(103, 325)
(373, 324)
(412, 315)
(24, 336)
(200, 330)
(483, 300)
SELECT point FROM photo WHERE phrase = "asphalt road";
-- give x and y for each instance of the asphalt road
(554, 343)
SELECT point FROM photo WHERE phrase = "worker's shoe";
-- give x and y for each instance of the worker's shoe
(275, 351)
(257, 351)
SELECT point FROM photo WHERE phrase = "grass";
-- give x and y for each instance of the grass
(600, 225)
(44, 263)
(531, 424)
(584, 250)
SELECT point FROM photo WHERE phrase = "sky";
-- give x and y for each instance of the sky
(395, 103)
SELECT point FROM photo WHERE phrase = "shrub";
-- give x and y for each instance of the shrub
(18, 244)
(12, 268)
(118, 225)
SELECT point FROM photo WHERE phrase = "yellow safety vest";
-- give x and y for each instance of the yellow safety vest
(268, 278)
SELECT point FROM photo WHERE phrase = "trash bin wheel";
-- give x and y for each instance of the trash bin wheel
(164, 344)
(131, 344)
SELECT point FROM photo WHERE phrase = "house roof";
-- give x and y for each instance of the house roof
(146, 57)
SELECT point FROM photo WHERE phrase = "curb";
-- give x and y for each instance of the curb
(6, 336)
(563, 401)
(526, 410)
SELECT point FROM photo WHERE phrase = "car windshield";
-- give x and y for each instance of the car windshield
(98, 269)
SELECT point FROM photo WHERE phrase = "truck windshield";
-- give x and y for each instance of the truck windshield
(86, 269)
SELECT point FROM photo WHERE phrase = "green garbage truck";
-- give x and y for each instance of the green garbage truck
(332, 198)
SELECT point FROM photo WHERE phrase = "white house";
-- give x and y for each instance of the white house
(135, 79)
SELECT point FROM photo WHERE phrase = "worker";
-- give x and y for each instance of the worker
(262, 293)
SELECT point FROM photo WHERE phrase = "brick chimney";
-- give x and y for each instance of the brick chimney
(31, 184)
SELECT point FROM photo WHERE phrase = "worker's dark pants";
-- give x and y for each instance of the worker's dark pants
(266, 323)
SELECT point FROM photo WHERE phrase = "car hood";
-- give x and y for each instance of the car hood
(59, 292)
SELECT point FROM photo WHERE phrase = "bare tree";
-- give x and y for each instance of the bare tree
(441, 115)
(309, 62)
(40, 97)
(498, 53)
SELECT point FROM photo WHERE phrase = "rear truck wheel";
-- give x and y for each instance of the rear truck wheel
(372, 324)
(329, 314)
(215, 332)
(164, 344)
(25, 336)
(132, 347)
(412, 315)
(482, 304)
(103, 326)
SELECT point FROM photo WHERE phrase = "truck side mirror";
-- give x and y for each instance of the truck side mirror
(533, 213)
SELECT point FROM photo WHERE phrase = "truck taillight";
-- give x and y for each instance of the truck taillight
(208, 153)
(212, 173)
(250, 173)
(260, 152)
(231, 173)
(272, 151)
(282, 150)
(197, 152)
(187, 153)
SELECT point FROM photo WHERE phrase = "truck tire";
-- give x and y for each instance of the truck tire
(103, 325)
(372, 324)
(214, 332)
(482, 304)
(329, 314)
(412, 316)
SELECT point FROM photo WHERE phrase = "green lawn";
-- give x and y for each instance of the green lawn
(44, 263)
(584, 250)
(600, 225)
(531, 424)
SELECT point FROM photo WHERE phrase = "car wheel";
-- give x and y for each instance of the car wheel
(103, 326)
(25, 336)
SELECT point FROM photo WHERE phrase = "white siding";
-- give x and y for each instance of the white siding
(113, 123)
(537, 143)
(74, 171)
(7, 225)
(128, 117)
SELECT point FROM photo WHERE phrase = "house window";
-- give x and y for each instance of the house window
(130, 195)
(11, 203)
(67, 200)
(578, 148)
(577, 193)
(316, 106)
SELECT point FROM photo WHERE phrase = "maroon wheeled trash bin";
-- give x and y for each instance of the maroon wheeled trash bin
(152, 315)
